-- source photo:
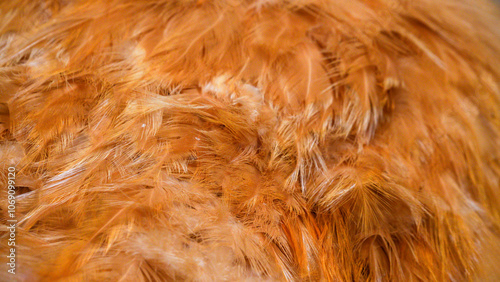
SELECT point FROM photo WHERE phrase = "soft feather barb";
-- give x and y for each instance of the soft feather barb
(251, 140)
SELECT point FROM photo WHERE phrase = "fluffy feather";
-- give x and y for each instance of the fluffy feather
(252, 140)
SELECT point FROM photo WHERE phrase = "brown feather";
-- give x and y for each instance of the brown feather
(251, 140)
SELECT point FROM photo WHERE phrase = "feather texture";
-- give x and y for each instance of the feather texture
(251, 140)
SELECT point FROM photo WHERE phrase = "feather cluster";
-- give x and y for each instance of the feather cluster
(263, 140)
